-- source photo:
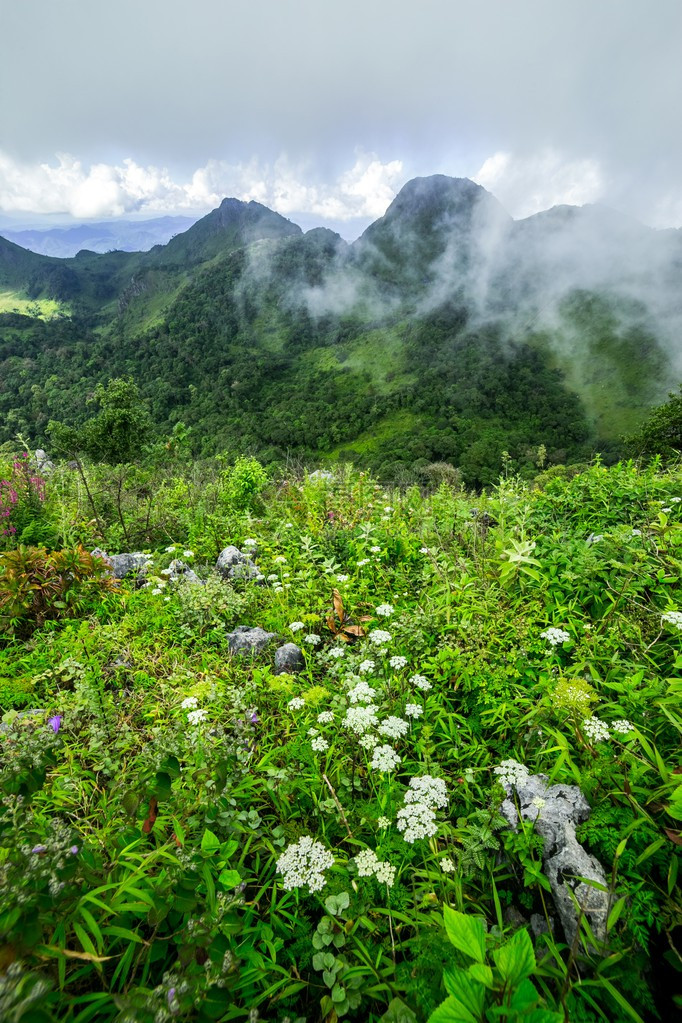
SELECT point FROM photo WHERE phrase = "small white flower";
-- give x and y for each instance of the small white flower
(385, 758)
(424, 550)
(368, 741)
(320, 744)
(594, 538)
(166, 599)
(165, 571)
(361, 693)
(388, 508)
(336, 652)
(325, 718)
(366, 862)
(360, 719)
(447, 866)
(385, 610)
(393, 727)
(636, 532)
(363, 561)
(375, 550)
(312, 732)
(666, 510)
(365, 667)
(312, 639)
(398, 662)
(273, 577)
(511, 772)
(296, 703)
(415, 821)
(622, 727)
(188, 554)
(194, 717)
(675, 500)
(288, 525)
(383, 822)
(171, 549)
(303, 864)
(421, 683)
(555, 636)
(156, 591)
(673, 618)
(250, 542)
(427, 790)
(280, 559)
(341, 578)
(413, 710)
(385, 873)
(296, 626)
(595, 730)
(189, 703)
(378, 637)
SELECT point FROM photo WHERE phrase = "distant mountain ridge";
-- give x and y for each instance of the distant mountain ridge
(447, 329)
(124, 235)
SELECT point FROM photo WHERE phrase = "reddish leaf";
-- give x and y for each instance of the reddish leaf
(674, 836)
(338, 604)
(355, 630)
(151, 816)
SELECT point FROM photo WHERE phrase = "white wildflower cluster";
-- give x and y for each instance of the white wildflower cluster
(320, 744)
(511, 772)
(622, 727)
(363, 561)
(673, 618)
(312, 639)
(393, 727)
(417, 819)
(189, 703)
(594, 538)
(378, 637)
(303, 865)
(369, 865)
(250, 542)
(447, 866)
(368, 741)
(421, 683)
(429, 790)
(397, 662)
(360, 719)
(326, 717)
(636, 532)
(336, 652)
(365, 667)
(341, 577)
(171, 549)
(383, 822)
(385, 610)
(296, 626)
(375, 549)
(555, 636)
(296, 703)
(361, 693)
(279, 560)
(188, 554)
(384, 759)
(595, 730)
(195, 717)
(413, 710)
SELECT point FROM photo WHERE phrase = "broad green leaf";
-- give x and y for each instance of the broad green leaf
(524, 995)
(229, 878)
(451, 1011)
(398, 1012)
(516, 958)
(466, 933)
(482, 973)
(468, 994)
(209, 843)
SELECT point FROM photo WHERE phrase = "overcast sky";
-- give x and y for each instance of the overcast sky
(322, 109)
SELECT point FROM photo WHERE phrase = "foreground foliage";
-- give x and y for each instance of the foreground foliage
(186, 835)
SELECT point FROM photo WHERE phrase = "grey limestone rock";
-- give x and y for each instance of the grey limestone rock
(249, 641)
(288, 658)
(178, 571)
(45, 465)
(556, 810)
(123, 564)
(232, 564)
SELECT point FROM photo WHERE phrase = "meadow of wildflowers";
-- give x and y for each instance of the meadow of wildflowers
(188, 834)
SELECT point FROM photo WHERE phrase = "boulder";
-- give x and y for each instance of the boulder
(248, 641)
(556, 810)
(288, 658)
(45, 465)
(232, 564)
(122, 565)
(178, 571)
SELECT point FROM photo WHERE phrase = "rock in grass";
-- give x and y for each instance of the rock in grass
(232, 564)
(288, 658)
(556, 810)
(123, 564)
(178, 571)
(248, 641)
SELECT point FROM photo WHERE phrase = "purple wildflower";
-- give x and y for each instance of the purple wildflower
(55, 722)
(39, 849)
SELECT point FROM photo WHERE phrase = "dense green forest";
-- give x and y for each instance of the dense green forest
(259, 339)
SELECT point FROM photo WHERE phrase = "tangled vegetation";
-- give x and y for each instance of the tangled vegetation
(187, 835)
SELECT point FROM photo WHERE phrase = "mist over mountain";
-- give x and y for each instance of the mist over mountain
(446, 332)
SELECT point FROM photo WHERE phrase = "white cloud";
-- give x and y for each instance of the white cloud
(105, 190)
(527, 184)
